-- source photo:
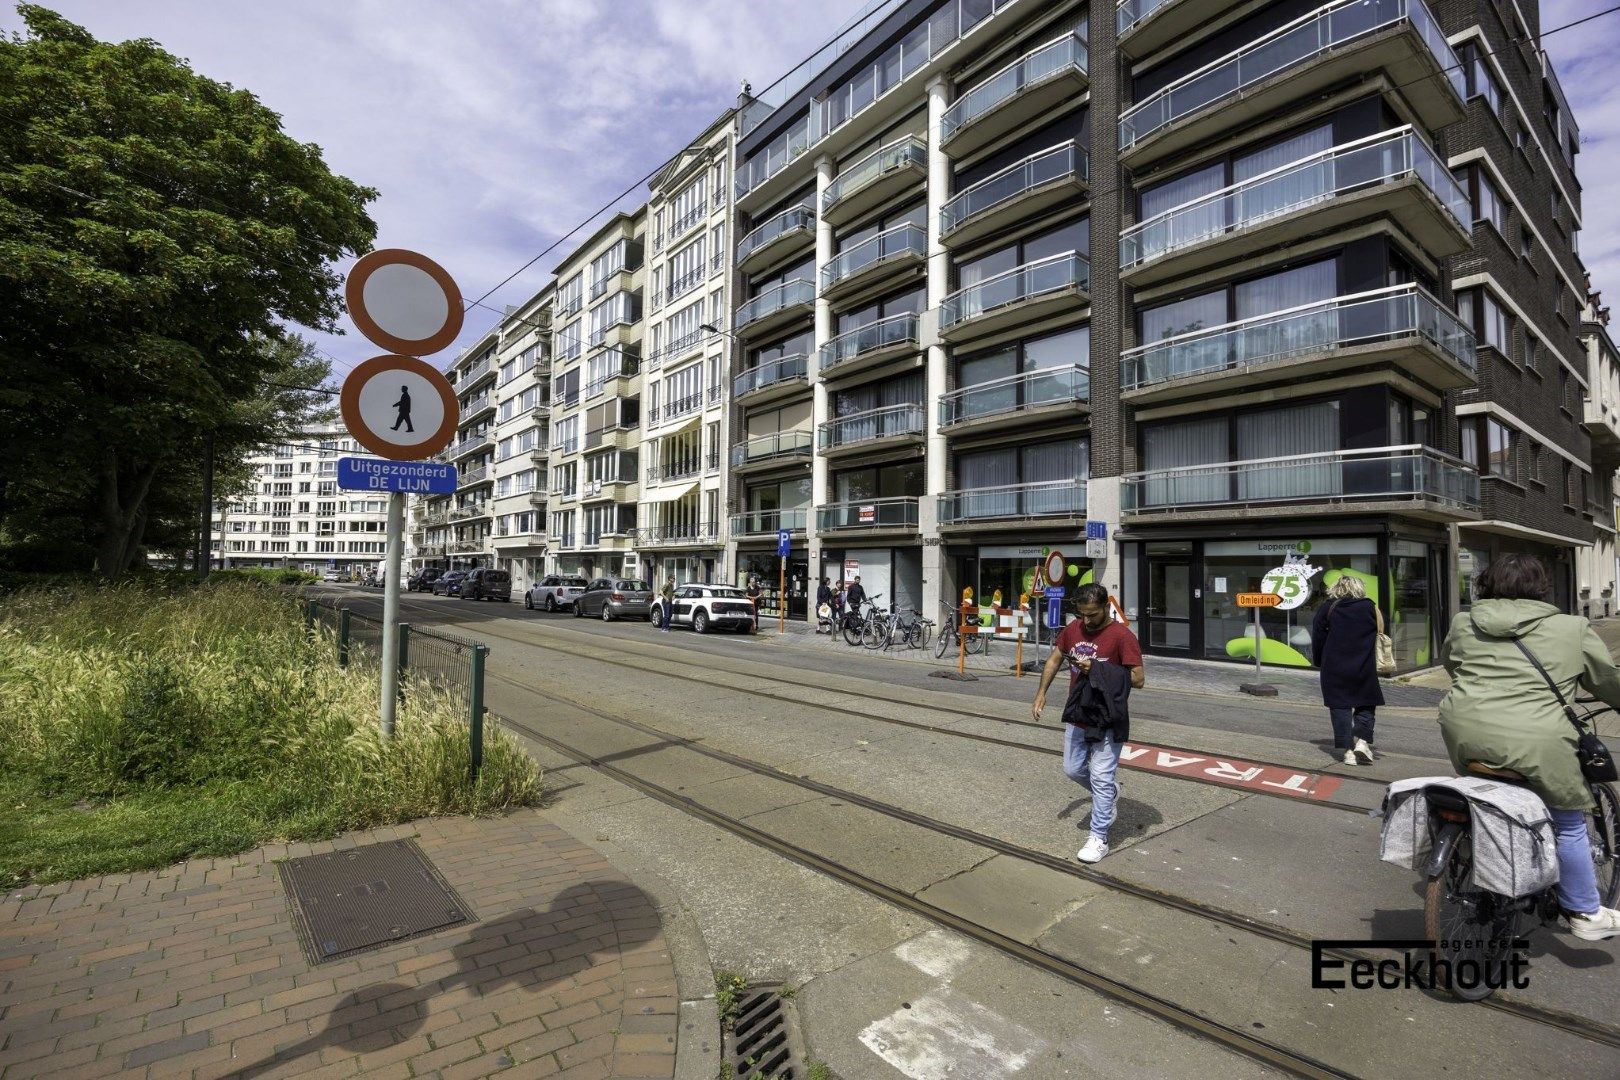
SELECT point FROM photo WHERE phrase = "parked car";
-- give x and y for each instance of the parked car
(449, 583)
(487, 584)
(703, 607)
(423, 579)
(554, 591)
(615, 598)
(332, 575)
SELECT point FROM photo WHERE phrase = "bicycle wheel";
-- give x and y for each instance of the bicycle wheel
(1467, 923)
(852, 632)
(975, 643)
(914, 636)
(946, 641)
(874, 634)
(1603, 828)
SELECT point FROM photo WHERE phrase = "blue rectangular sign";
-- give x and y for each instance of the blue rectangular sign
(411, 477)
(1054, 592)
(1096, 530)
(784, 542)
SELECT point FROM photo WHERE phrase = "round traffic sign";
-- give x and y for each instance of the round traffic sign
(400, 407)
(403, 301)
(1054, 566)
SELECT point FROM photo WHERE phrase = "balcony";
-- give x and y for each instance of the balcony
(675, 470)
(617, 437)
(534, 538)
(772, 379)
(1052, 179)
(771, 451)
(619, 337)
(688, 534)
(1394, 175)
(1402, 325)
(873, 429)
(685, 284)
(678, 349)
(1412, 480)
(875, 179)
(786, 232)
(874, 261)
(615, 378)
(619, 277)
(868, 515)
(1023, 90)
(768, 522)
(1337, 41)
(1603, 422)
(1023, 294)
(1046, 504)
(469, 446)
(1048, 394)
(472, 478)
(475, 375)
(478, 406)
(869, 347)
(470, 513)
(776, 307)
(607, 489)
(681, 226)
(1145, 26)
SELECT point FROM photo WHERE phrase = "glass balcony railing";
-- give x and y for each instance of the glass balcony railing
(1379, 159)
(1132, 12)
(895, 330)
(895, 513)
(1060, 163)
(774, 299)
(887, 422)
(794, 219)
(685, 532)
(1328, 27)
(1018, 285)
(1067, 53)
(1412, 472)
(1401, 311)
(1061, 498)
(768, 522)
(902, 240)
(470, 445)
(908, 151)
(1015, 394)
(775, 445)
(771, 373)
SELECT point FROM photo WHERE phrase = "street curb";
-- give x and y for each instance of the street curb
(698, 1044)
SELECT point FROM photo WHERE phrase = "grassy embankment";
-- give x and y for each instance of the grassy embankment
(141, 725)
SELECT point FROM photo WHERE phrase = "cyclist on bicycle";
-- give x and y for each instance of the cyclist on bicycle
(1501, 713)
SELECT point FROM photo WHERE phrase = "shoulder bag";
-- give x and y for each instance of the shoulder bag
(1384, 662)
(1596, 763)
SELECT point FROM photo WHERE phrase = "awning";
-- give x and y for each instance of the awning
(687, 424)
(669, 493)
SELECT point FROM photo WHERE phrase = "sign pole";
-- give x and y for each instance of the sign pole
(1257, 643)
(390, 628)
(781, 596)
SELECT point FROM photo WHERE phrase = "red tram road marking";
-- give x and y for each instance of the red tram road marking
(1230, 772)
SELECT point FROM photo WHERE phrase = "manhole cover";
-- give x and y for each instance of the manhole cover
(345, 902)
(764, 1040)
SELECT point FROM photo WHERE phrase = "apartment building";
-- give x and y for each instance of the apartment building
(1235, 281)
(294, 516)
(1597, 572)
(680, 520)
(455, 531)
(522, 437)
(594, 455)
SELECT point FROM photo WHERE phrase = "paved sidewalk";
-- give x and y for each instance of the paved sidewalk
(196, 971)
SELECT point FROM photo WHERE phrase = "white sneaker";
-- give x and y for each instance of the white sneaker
(1350, 758)
(1096, 847)
(1361, 752)
(1601, 925)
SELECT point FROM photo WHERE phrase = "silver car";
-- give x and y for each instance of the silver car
(554, 591)
(615, 598)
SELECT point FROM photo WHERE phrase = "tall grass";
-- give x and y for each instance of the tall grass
(140, 725)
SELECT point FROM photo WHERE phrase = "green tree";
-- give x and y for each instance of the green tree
(158, 233)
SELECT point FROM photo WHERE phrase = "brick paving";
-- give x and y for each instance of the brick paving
(196, 971)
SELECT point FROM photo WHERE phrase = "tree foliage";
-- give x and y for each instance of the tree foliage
(158, 233)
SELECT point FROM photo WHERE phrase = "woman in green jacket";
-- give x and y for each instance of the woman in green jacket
(1501, 713)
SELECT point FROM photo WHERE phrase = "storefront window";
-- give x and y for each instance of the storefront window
(1412, 608)
(1232, 567)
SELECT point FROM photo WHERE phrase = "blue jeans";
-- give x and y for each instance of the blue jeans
(1350, 725)
(664, 610)
(1092, 765)
(1577, 877)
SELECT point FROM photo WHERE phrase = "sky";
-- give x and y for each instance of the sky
(494, 127)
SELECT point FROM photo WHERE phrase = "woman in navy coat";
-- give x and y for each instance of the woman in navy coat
(1344, 648)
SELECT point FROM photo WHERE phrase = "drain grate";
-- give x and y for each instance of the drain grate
(764, 1040)
(347, 902)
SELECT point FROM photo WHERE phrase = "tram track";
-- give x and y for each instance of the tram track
(1569, 1023)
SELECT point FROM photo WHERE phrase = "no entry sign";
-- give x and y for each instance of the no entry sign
(403, 301)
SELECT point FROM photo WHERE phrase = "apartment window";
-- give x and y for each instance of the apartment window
(1054, 462)
(1295, 287)
(1534, 353)
(1527, 245)
(571, 295)
(620, 308)
(1481, 81)
(687, 269)
(717, 240)
(566, 392)
(687, 208)
(1485, 198)
(683, 391)
(682, 330)
(565, 435)
(1075, 236)
(562, 479)
(605, 265)
(1535, 461)
(569, 344)
(1491, 447)
(1491, 323)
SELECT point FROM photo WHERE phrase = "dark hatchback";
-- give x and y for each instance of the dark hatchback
(484, 584)
(449, 584)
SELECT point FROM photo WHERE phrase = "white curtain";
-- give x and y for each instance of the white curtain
(1289, 433)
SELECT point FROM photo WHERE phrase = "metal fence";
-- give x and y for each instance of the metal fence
(428, 659)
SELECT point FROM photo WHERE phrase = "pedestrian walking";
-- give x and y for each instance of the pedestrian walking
(753, 593)
(824, 599)
(1105, 665)
(669, 601)
(1344, 647)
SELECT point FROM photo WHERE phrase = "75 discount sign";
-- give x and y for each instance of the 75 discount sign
(1291, 582)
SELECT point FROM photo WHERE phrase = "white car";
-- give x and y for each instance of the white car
(332, 575)
(703, 607)
(554, 592)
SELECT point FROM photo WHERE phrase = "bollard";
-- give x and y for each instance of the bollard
(404, 655)
(343, 637)
(309, 617)
(476, 734)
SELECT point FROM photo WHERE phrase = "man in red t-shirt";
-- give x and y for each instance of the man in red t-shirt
(1093, 638)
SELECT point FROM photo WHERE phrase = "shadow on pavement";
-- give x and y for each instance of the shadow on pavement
(360, 1023)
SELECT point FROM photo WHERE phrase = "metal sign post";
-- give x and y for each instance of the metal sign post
(1257, 601)
(390, 641)
(784, 543)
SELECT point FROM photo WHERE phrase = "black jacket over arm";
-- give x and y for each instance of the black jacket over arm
(1101, 701)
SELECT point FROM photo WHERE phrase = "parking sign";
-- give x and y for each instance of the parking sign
(784, 542)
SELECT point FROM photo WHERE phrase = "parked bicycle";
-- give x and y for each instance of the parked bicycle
(949, 633)
(907, 627)
(855, 622)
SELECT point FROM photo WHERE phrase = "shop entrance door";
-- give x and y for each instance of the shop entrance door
(1170, 627)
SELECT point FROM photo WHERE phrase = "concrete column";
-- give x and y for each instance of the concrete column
(936, 589)
(819, 494)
